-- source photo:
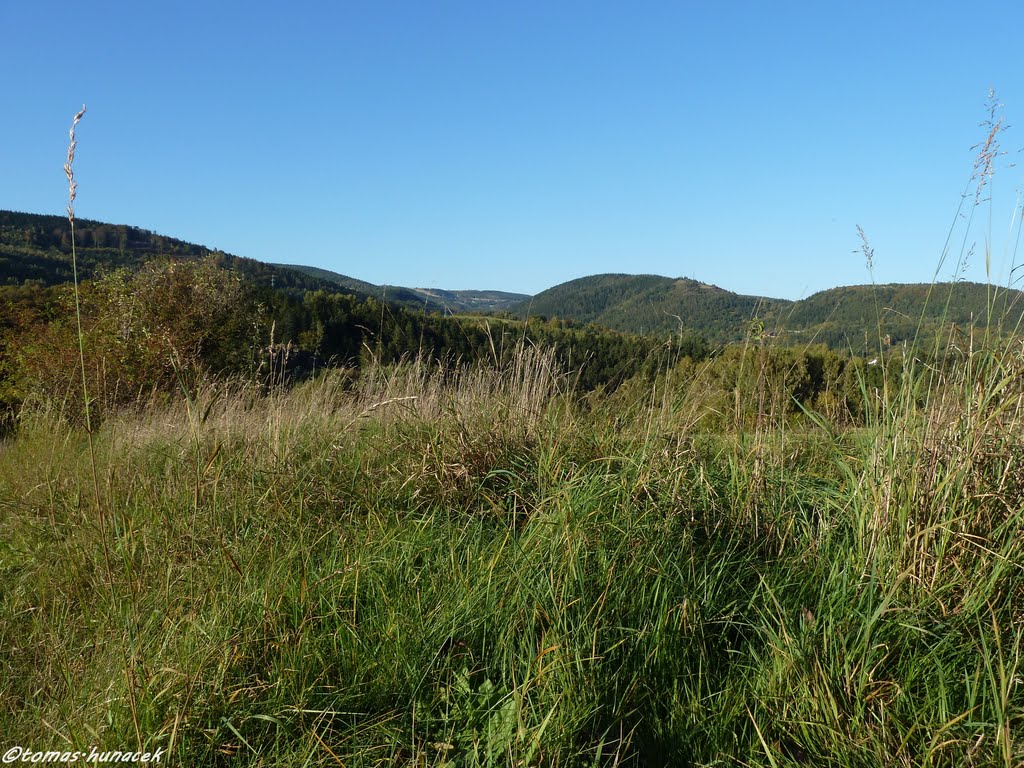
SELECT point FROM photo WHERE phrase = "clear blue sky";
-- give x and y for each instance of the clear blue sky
(518, 145)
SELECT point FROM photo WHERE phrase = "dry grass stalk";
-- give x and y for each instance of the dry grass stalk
(69, 166)
(69, 171)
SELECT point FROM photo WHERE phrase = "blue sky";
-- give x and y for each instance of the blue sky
(518, 145)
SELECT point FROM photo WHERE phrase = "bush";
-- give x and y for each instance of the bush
(141, 334)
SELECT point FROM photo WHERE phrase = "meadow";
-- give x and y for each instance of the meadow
(441, 565)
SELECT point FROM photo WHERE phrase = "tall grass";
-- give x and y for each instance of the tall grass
(430, 566)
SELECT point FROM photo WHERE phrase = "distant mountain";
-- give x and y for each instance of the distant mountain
(474, 301)
(853, 317)
(652, 304)
(36, 249)
(405, 297)
(327, 276)
(434, 299)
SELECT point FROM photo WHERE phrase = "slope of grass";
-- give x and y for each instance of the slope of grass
(465, 567)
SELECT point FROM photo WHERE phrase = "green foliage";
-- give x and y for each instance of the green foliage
(143, 333)
(339, 329)
(476, 723)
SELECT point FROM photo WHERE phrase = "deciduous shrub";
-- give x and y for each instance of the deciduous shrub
(143, 333)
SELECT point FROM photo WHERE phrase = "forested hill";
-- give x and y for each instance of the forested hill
(850, 318)
(429, 298)
(36, 250)
(843, 317)
(652, 304)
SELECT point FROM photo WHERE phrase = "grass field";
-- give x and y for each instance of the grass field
(426, 566)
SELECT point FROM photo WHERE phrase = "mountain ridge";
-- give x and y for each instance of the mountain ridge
(846, 317)
(35, 248)
(434, 299)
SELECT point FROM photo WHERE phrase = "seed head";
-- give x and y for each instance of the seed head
(69, 166)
